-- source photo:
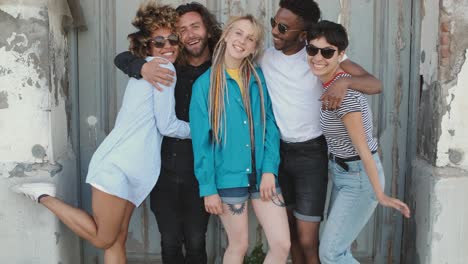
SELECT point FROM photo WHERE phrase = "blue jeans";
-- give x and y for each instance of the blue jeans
(352, 203)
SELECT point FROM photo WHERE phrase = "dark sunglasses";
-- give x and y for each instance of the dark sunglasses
(282, 28)
(327, 53)
(160, 41)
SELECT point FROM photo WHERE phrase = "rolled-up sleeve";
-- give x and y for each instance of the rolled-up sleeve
(203, 148)
(164, 111)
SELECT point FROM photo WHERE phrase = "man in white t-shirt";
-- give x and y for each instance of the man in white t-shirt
(297, 96)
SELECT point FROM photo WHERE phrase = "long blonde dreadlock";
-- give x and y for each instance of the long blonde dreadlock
(218, 86)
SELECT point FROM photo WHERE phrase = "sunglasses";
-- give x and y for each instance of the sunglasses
(282, 28)
(327, 53)
(160, 41)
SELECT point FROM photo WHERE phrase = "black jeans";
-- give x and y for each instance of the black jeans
(181, 217)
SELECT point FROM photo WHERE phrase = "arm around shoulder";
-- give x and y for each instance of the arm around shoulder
(129, 64)
(361, 80)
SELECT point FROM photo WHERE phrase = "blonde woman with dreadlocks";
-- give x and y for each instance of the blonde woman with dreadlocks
(125, 167)
(236, 143)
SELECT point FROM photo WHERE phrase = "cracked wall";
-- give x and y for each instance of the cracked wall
(25, 85)
(439, 180)
(444, 71)
(430, 103)
(34, 130)
(452, 146)
(439, 221)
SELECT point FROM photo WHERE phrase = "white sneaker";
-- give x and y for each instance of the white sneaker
(35, 190)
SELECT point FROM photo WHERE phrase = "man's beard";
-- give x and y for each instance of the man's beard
(198, 51)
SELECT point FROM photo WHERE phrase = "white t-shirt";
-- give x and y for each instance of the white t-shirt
(295, 93)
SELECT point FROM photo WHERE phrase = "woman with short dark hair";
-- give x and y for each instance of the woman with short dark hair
(357, 173)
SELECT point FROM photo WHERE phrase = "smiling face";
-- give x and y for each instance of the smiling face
(324, 68)
(241, 41)
(168, 51)
(194, 35)
(293, 40)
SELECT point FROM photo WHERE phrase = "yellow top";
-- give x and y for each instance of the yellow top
(235, 74)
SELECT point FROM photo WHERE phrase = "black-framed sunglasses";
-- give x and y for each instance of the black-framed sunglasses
(327, 53)
(160, 41)
(282, 28)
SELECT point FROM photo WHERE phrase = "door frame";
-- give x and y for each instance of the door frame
(95, 49)
(397, 110)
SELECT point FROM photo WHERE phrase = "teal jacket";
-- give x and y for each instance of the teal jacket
(228, 164)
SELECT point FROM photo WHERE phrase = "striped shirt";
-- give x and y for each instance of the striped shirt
(338, 140)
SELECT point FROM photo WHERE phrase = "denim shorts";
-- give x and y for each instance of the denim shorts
(239, 195)
(303, 177)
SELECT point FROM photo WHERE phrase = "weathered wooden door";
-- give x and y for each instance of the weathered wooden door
(380, 41)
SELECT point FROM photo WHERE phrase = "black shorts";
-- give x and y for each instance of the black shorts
(303, 177)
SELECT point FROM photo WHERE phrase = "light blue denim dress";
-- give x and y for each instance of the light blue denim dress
(128, 161)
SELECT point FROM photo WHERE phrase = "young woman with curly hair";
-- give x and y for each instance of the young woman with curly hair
(175, 201)
(126, 166)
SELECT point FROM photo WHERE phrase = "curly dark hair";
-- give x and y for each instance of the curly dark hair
(209, 20)
(150, 17)
(308, 10)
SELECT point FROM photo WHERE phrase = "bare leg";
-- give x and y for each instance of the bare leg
(297, 255)
(236, 226)
(117, 254)
(274, 221)
(308, 233)
(101, 229)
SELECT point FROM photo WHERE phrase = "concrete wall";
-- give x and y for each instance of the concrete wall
(453, 76)
(34, 130)
(438, 231)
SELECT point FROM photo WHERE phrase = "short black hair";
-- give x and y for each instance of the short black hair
(334, 33)
(308, 10)
(209, 20)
